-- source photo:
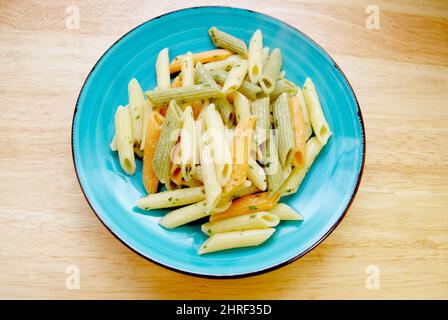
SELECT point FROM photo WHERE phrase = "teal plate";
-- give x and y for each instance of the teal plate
(324, 196)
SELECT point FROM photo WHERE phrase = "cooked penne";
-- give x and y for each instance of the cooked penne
(221, 103)
(183, 95)
(258, 220)
(235, 77)
(256, 174)
(285, 212)
(299, 131)
(271, 69)
(235, 239)
(247, 204)
(203, 57)
(224, 40)
(124, 142)
(223, 65)
(147, 112)
(292, 183)
(306, 117)
(283, 125)
(187, 144)
(250, 90)
(168, 138)
(265, 55)
(283, 86)
(242, 141)
(220, 147)
(317, 117)
(212, 185)
(255, 56)
(136, 106)
(187, 70)
(150, 180)
(260, 108)
(163, 69)
(274, 170)
(174, 198)
(242, 107)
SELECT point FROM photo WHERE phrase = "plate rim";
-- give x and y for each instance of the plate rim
(236, 275)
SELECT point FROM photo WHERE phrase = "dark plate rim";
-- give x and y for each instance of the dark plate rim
(247, 274)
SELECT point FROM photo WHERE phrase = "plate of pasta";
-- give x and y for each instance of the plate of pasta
(218, 142)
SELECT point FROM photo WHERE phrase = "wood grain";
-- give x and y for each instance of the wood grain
(398, 222)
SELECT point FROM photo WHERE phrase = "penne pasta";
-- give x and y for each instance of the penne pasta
(250, 90)
(163, 69)
(187, 144)
(299, 131)
(168, 138)
(260, 108)
(317, 117)
(124, 142)
(255, 56)
(283, 86)
(285, 131)
(242, 138)
(235, 77)
(212, 185)
(306, 117)
(183, 95)
(265, 55)
(235, 239)
(247, 204)
(274, 170)
(242, 107)
(204, 57)
(147, 111)
(136, 106)
(150, 180)
(271, 70)
(187, 70)
(258, 220)
(256, 174)
(224, 40)
(285, 212)
(174, 198)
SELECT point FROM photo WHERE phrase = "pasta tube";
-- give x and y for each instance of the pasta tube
(242, 138)
(256, 174)
(258, 220)
(167, 140)
(250, 90)
(183, 95)
(235, 77)
(174, 198)
(265, 55)
(150, 180)
(187, 143)
(163, 69)
(147, 111)
(242, 107)
(224, 40)
(124, 143)
(299, 131)
(255, 56)
(271, 69)
(222, 104)
(283, 86)
(203, 57)
(306, 117)
(187, 70)
(274, 170)
(283, 124)
(235, 239)
(136, 106)
(285, 212)
(223, 65)
(317, 117)
(209, 177)
(260, 108)
(247, 204)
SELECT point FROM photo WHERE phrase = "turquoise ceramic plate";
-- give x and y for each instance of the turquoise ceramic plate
(323, 198)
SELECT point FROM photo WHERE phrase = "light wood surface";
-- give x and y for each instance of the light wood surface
(398, 221)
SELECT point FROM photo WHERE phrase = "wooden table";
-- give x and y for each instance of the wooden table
(397, 225)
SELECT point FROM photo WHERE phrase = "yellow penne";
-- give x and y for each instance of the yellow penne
(203, 57)
(299, 131)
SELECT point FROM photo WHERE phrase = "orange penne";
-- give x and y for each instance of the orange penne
(203, 57)
(247, 204)
(149, 177)
(197, 108)
(177, 82)
(242, 141)
(299, 131)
